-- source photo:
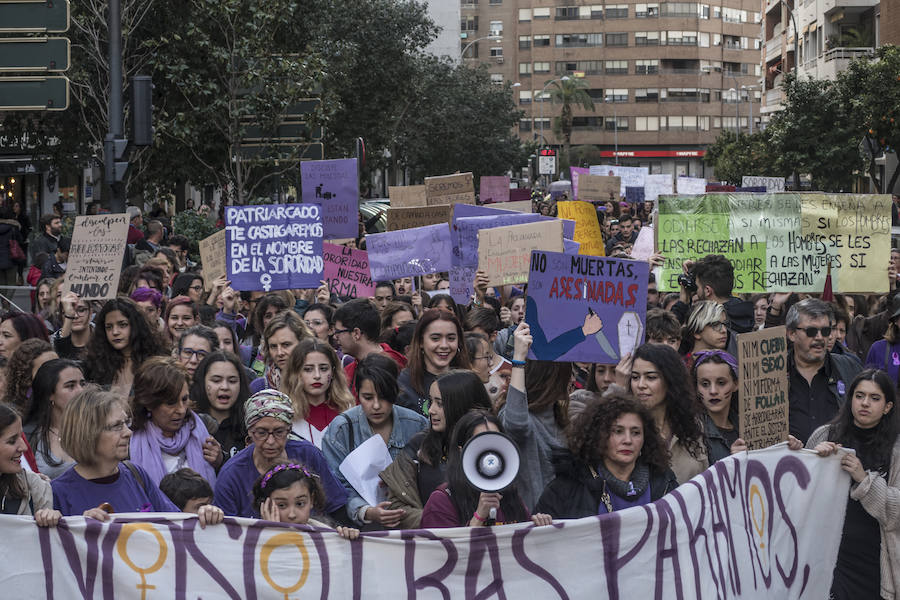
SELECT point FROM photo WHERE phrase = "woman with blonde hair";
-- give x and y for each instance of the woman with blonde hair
(317, 386)
(282, 334)
(706, 329)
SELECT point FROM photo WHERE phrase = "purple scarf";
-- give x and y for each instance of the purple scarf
(148, 445)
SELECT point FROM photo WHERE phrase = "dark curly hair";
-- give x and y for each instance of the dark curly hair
(103, 361)
(682, 405)
(19, 373)
(286, 478)
(588, 433)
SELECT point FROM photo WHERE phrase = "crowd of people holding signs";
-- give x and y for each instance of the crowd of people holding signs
(303, 371)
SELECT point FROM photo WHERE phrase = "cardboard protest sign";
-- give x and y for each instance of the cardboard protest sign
(690, 186)
(780, 242)
(347, 271)
(585, 308)
(274, 246)
(213, 253)
(95, 256)
(658, 185)
(771, 184)
(409, 252)
(629, 176)
(409, 195)
(417, 216)
(494, 188)
(450, 189)
(576, 174)
(587, 227)
(763, 387)
(519, 206)
(334, 184)
(504, 253)
(598, 188)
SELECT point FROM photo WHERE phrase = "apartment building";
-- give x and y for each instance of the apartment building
(665, 77)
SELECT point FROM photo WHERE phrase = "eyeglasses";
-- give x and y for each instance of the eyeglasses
(118, 426)
(316, 323)
(812, 332)
(196, 288)
(489, 357)
(261, 435)
(81, 310)
(189, 353)
(340, 331)
(718, 326)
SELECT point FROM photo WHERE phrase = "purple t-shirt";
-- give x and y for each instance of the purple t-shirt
(234, 485)
(73, 494)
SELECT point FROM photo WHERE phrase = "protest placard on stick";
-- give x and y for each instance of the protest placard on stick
(417, 216)
(587, 228)
(763, 387)
(450, 189)
(407, 195)
(212, 256)
(95, 256)
(334, 184)
(347, 271)
(409, 252)
(504, 253)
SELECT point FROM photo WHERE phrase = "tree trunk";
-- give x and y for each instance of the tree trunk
(873, 168)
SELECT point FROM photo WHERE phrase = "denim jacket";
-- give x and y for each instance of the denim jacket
(337, 444)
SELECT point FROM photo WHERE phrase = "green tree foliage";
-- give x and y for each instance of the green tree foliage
(734, 155)
(571, 93)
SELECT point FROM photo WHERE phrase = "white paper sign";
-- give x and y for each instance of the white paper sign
(362, 466)
(628, 176)
(690, 186)
(772, 184)
(657, 185)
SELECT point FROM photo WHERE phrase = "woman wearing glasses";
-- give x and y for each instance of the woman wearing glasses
(320, 320)
(706, 329)
(95, 432)
(193, 346)
(71, 340)
(269, 415)
(168, 435)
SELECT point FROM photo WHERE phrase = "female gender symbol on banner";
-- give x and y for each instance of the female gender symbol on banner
(281, 540)
(122, 549)
(761, 526)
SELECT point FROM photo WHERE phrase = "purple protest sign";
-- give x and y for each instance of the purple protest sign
(347, 271)
(461, 280)
(494, 188)
(409, 252)
(517, 195)
(334, 185)
(585, 308)
(571, 246)
(274, 246)
(576, 173)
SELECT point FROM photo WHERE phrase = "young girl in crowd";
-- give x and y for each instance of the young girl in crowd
(317, 385)
(289, 493)
(437, 347)
(616, 460)
(458, 504)
(706, 329)
(716, 379)
(375, 380)
(72, 339)
(21, 492)
(55, 384)
(867, 564)
(181, 313)
(320, 320)
(220, 389)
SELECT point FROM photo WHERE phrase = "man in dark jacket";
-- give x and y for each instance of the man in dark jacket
(50, 226)
(714, 278)
(56, 262)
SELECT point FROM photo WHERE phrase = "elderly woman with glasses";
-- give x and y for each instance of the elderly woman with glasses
(269, 415)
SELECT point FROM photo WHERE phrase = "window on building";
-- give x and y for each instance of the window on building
(679, 38)
(592, 11)
(541, 67)
(579, 40)
(646, 95)
(525, 97)
(646, 38)
(541, 41)
(734, 15)
(588, 67)
(616, 39)
(613, 123)
(470, 49)
(525, 69)
(679, 9)
(646, 66)
(497, 78)
(469, 23)
(541, 13)
(524, 42)
(495, 1)
(524, 125)
(646, 123)
(703, 11)
(496, 52)
(616, 95)
(596, 94)
(496, 28)
(616, 11)
(586, 122)
(616, 67)
(646, 11)
(566, 13)
(524, 14)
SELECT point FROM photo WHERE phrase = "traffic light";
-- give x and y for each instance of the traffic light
(141, 110)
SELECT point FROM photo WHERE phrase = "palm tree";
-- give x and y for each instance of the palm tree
(570, 93)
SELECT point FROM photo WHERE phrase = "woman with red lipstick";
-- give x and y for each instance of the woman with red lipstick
(219, 389)
(868, 423)
(168, 435)
(318, 388)
(716, 378)
(615, 460)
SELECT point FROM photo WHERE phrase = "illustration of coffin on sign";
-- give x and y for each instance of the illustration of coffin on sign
(631, 331)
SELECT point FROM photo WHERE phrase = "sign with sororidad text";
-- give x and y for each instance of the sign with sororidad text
(763, 387)
(95, 256)
(347, 271)
(781, 242)
(213, 250)
(274, 246)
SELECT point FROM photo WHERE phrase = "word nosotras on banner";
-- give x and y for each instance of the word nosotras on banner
(745, 528)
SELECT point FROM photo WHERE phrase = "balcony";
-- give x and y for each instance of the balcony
(830, 5)
(773, 47)
(836, 60)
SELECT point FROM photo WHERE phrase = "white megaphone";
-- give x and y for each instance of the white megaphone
(490, 462)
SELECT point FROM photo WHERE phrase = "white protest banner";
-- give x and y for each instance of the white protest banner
(690, 186)
(450, 189)
(504, 253)
(213, 257)
(628, 176)
(645, 245)
(758, 525)
(772, 184)
(409, 252)
(95, 256)
(658, 185)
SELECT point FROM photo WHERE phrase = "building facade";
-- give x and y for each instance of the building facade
(445, 14)
(665, 77)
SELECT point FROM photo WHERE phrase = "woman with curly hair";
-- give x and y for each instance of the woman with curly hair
(615, 460)
(122, 340)
(661, 382)
(20, 371)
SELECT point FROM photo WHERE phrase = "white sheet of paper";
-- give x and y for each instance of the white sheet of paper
(643, 245)
(362, 466)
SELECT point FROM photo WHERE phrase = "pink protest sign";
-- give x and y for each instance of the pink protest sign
(494, 188)
(347, 271)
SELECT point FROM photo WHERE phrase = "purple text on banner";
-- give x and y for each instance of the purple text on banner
(576, 173)
(494, 188)
(347, 271)
(461, 280)
(634, 194)
(409, 252)
(274, 246)
(571, 246)
(585, 308)
(335, 185)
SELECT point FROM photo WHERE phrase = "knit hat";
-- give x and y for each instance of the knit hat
(268, 403)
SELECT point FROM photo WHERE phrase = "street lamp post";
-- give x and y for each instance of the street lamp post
(737, 105)
(750, 89)
(615, 129)
(493, 38)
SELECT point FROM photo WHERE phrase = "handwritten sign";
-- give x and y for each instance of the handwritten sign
(598, 188)
(347, 271)
(274, 246)
(409, 252)
(585, 308)
(450, 189)
(657, 185)
(461, 280)
(575, 175)
(334, 184)
(780, 242)
(417, 216)
(494, 188)
(213, 251)
(409, 195)
(771, 184)
(690, 186)
(95, 256)
(504, 253)
(629, 176)
(763, 387)
(467, 229)
(587, 227)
